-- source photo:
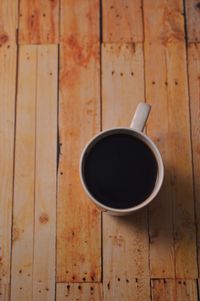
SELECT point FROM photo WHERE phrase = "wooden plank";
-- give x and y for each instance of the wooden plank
(78, 235)
(45, 174)
(79, 291)
(167, 91)
(23, 207)
(186, 290)
(80, 20)
(163, 290)
(7, 124)
(174, 290)
(138, 288)
(194, 90)
(4, 292)
(192, 9)
(161, 209)
(8, 22)
(125, 241)
(38, 22)
(122, 21)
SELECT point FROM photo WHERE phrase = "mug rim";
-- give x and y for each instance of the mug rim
(160, 175)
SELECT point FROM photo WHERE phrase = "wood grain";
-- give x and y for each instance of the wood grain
(192, 10)
(163, 290)
(194, 90)
(79, 20)
(169, 126)
(122, 21)
(38, 22)
(137, 289)
(4, 292)
(8, 22)
(125, 240)
(8, 58)
(79, 291)
(45, 174)
(79, 221)
(24, 178)
(186, 290)
(174, 290)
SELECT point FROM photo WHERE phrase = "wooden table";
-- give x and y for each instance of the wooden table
(69, 69)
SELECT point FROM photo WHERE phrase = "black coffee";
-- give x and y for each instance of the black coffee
(120, 171)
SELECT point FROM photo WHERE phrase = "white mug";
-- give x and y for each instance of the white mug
(136, 130)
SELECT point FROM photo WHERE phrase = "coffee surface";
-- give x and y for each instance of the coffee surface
(120, 171)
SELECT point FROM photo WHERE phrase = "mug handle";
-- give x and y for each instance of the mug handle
(140, 117)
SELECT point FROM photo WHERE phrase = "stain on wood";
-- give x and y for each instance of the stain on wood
(70, 194)
(78, 94)
(38, 22)
(80, 19)
(8, 23)
(122, 21)
(79, 292)
(174, 290)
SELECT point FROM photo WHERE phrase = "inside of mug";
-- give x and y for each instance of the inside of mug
(139, 138)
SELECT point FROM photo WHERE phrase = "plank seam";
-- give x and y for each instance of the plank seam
(101, 112)
(198, 289)
(192, 157)
(14, 148)
(169, 188)
(185, 23)
(58, 99)
(35, 172)
(145, 96)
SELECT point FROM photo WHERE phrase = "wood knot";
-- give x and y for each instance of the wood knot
(3, 38)
(44, 218)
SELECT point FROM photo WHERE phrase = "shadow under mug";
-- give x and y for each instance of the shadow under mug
(136, 130)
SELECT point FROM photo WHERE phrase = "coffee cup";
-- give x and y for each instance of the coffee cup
(121, 169)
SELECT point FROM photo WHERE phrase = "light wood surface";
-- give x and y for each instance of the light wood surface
(79, 291)
(122, 21)
(8, 22)
(194, 90)
(8, 57)
(45, 164)
(79, 221)
(38, 22)
(23, 201)
(125, 240)
(171, 220)
(70, 69)
(174, 290)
